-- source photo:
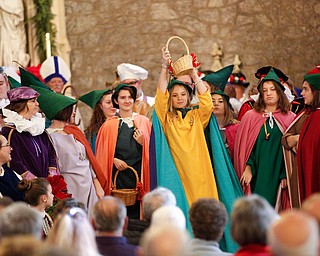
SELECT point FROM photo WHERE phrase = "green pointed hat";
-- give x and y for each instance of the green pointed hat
(28, 79)
(174, 81)
(271, 76)
(225, 96)
(51, 103)
(219, 78)
(13, 83)
(93, 97)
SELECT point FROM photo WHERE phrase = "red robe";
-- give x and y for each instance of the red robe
(106, 145)
(308, 156)
(253, 250)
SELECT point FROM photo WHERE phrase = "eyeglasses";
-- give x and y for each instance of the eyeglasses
(133, 82)
(7, 145)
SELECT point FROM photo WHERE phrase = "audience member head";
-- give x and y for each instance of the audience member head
(250, 220)
(73, 230)
(208, 219)
(5, 202)
(164, 240)
(171, 215)
(37, 192)
(109, 215)
(66, 204)
(156, 198)
(312, 206)
(20, 219)
(20, 245)
(294, 234)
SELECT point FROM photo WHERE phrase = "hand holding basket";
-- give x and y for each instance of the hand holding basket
(185, 63)
(127, 195)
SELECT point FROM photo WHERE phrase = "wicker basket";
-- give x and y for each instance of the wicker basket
(127, 195)
(184, 63)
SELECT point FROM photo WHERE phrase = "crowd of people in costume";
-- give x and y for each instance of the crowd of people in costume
(185, 163)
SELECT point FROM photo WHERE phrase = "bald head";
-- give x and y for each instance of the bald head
(294, 234)
(109, 214)
(312, 206)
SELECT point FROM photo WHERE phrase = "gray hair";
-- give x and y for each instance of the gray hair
(250, 219)
(164, 240)
(109, 214)
(20, 219)
(156, 198)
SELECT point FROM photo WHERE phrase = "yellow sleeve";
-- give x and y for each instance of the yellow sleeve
(161, 104)
(205, 108)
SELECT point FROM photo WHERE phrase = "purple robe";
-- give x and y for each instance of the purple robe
(31, 153)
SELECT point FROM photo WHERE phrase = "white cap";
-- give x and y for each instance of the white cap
(55, 66)
(130, 71)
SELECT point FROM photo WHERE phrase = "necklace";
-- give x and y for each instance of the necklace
(266, 131)
(1, 171)
(82, 156)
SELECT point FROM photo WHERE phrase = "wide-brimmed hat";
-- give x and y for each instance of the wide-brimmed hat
(263, 71)
(117, 90)
(239, 79)
(313, 77)
(220, 77)
(22, 93)
(93, 97)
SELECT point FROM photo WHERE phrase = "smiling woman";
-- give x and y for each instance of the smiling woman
(123, 142)
(33, 154)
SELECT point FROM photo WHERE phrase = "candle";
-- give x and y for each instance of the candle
(48, 45)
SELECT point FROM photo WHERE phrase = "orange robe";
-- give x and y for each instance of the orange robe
(106, 145)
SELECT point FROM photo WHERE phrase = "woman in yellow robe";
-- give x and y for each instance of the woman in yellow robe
(184, 130)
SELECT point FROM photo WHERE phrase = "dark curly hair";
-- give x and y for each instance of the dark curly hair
(208, 218)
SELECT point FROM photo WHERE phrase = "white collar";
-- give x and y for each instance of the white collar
(4, 103)
(35, 125)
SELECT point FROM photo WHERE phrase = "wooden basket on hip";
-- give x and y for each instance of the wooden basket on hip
(184, 63)
(127, 195)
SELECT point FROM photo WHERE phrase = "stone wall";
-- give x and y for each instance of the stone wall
(105, 33)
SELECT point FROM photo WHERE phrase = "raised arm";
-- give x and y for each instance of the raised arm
(164, 73)
(201, 87)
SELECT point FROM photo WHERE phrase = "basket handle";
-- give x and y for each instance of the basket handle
(177, 37)
(114, 185)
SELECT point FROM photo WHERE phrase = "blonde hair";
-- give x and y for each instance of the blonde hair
(171, 109)
(73, 230)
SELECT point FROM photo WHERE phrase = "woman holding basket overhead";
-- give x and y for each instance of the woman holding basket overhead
(183, 128)
(123, 143)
